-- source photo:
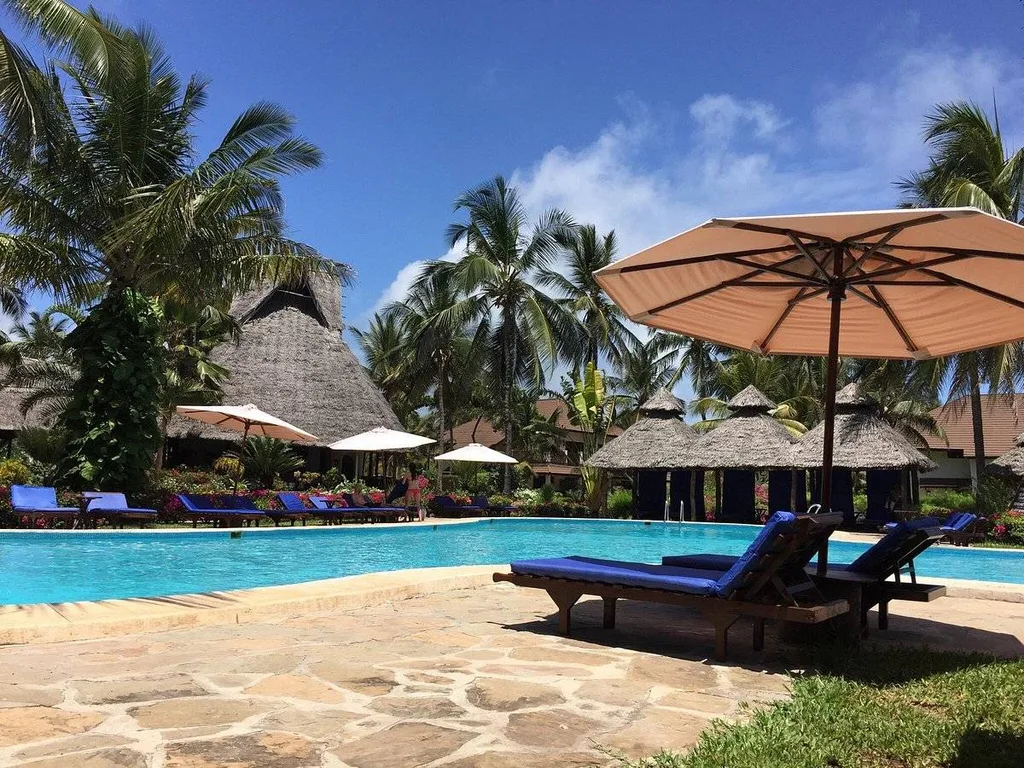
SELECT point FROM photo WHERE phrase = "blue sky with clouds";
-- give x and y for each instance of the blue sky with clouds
(645, 117)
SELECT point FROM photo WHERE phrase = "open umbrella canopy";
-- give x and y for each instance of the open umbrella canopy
(247, 419)
(478, 453)
(381, 439)
(920, 282)
(906, 283)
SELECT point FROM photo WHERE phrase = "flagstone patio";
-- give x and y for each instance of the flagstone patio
(471, 677)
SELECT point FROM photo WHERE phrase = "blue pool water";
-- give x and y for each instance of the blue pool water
(55, 567)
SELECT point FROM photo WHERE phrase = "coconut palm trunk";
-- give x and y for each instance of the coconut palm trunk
(510, 373)
(978, 427)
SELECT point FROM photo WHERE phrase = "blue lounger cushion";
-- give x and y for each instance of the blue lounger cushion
(203, 503)
(32, 498)
(690, 580)
(621, 573)
(115, 502)
(876, 561)
(292, 502)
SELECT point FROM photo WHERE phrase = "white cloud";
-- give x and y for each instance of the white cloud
(403, 281)
(880, 122)
(744, 156)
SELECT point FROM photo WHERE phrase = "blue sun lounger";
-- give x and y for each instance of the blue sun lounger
(35, 502)
(766, 582)
(330, 514)
(890, 557)
(231, 511)
(114, 508)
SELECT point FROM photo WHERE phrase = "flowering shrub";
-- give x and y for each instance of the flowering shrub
(1008, 528)
(13, 472)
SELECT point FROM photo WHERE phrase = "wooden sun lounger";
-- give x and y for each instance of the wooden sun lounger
(764, 586)
(721, 612)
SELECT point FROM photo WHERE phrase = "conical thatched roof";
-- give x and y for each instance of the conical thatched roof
(293, 363)
(750, 398)
(748, 439)
(658, 440)
(663, 402)
(1011, 463)
(863, 440)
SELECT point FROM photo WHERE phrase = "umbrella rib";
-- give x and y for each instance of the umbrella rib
(765, 229)
(862, 295)
(868, 252)
(802, 295)
(961, 252)
(701, 259)
(802, 247)
(732, 282)
(774, 268)
(904, 266)
(922, 267)
(891, 314)
(894, 229)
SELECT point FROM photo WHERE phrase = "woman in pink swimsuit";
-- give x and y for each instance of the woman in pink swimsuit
(414, 485)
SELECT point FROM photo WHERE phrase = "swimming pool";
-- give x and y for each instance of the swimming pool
(44, 567)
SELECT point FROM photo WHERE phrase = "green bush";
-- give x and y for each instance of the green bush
(950, 500)
(995, 495)
(620, 502)
(860, 502)
(13, 472)
(111, 419)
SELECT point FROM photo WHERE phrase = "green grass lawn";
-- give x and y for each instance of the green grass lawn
(897, 708)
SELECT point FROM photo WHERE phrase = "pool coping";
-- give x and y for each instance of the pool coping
(96, 619)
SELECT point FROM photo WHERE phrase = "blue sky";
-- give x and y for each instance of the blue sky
(642, 117)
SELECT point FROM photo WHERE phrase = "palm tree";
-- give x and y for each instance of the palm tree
(383, 343)
(527, 330)
(603, 323)
(970, 166)
(12, 301)
(36, 357)
(435, 319)
(102, 193)
(793, 383)
(645, 367)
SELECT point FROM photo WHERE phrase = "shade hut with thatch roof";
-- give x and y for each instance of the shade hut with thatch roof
(655, 449)
(863, 441)
(291, 361)
(1011, 464)
(747, 441)
(13, 418)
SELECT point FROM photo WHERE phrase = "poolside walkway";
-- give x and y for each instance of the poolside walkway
(466, 678)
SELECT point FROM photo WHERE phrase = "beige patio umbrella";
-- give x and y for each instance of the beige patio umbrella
(908, 283)
(247, 419)
(476, 453)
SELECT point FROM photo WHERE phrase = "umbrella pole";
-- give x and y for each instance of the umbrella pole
(238, 475)
(836, 295)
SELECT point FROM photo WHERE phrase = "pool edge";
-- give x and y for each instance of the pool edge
(96, 619)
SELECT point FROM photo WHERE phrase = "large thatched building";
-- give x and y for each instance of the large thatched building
(656, 449)
(748, 441)
(292, 362)
(863, 441)
(11, 417)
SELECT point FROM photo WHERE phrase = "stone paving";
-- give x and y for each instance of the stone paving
(468, 678)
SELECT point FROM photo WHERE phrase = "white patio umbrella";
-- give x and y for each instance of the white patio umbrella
(381, 439)
(479, 453)
(247, 419)
(476, 453)
(906, 283)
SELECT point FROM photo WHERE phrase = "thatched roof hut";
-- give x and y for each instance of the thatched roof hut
(863, 439)
(659, 439)
(749, 439)
(292, 362)
(11, 417)
(1011, 464)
